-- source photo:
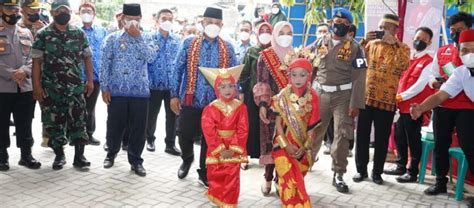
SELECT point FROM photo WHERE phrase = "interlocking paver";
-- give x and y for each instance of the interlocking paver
(119, 187)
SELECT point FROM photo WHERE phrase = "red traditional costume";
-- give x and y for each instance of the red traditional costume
(225, 127)
(299, 112)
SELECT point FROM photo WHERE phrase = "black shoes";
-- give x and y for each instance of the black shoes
(184, 169)
(94, 141)
(395, 171)
(139, 170)
(29, 162)
(109, 161)
(202, 178)
(340, 185)
(59, 162)
(358, 177)
(150, 146)
(406, 178)
(172, 150)
(81, 162)
(377, 179)
(436, 189)
(4, 166)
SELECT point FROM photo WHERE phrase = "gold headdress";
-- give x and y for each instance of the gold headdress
(212, 74)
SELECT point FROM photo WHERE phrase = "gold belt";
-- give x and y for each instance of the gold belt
(225, 133)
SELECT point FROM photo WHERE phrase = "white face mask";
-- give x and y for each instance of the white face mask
(87, 18)
(128, 23)
(244, 36)
(265, 38)
(285, 40)
(166, 26)
(468, 60)
(275, 10)
(212, 30)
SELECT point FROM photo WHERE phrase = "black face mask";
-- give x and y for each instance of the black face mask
(455, 37)
(419, 45)
(62, 18)
(11, 19)
(340, 30)
(33, 17)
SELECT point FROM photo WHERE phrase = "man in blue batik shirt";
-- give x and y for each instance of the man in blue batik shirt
(190, 92)
(158, 73)
(245, 30)
(96, 36)
(125, 87)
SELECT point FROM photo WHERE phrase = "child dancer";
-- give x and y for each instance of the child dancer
(225, 127)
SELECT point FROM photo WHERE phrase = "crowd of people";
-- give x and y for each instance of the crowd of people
(265, 100)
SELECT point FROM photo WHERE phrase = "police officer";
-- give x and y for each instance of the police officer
(30, 11)
(340, 84)
(15, 86)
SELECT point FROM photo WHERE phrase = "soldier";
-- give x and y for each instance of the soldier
(340, 84)
(57, 83)
(15, 86)
(30, 11)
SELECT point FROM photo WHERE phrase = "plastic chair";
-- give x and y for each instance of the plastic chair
(427, 146)
(457, 153)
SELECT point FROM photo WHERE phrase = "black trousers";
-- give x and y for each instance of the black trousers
(330, 136)
(91, 101)
(408, 134)
(382, 122)
(444, 121)
(123, 112)
(189, 126)
(22, 106)
(156, 98)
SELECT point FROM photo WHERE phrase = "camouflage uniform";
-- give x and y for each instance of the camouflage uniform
(64, 107)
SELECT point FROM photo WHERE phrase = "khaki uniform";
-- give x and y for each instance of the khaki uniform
(340, 84)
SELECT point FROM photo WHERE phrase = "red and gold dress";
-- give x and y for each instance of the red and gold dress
(299, 114)
(225, 127)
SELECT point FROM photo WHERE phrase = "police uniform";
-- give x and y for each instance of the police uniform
(15, 97)
(340, 84)
(36, 25)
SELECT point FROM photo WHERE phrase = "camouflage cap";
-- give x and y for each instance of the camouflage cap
(60, 3)
(34, 4)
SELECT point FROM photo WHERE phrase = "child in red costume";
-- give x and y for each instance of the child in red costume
(225, 127)
(297, 106)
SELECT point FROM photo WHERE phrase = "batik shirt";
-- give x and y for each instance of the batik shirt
(62, 54)
(209, 57)
(96, 36)
(160, 70)
(240, 51)
(124, 64)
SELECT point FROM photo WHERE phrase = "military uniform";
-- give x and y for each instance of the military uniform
(340, 84)
(64, 111)
(16, 96)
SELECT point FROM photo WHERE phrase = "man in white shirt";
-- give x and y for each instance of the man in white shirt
(461, 80)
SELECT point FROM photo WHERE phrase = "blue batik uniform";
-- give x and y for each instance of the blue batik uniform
(160, 69)
(241, 50)
(124, 74)
(96, 36)
(124, 64)
(209, 57)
